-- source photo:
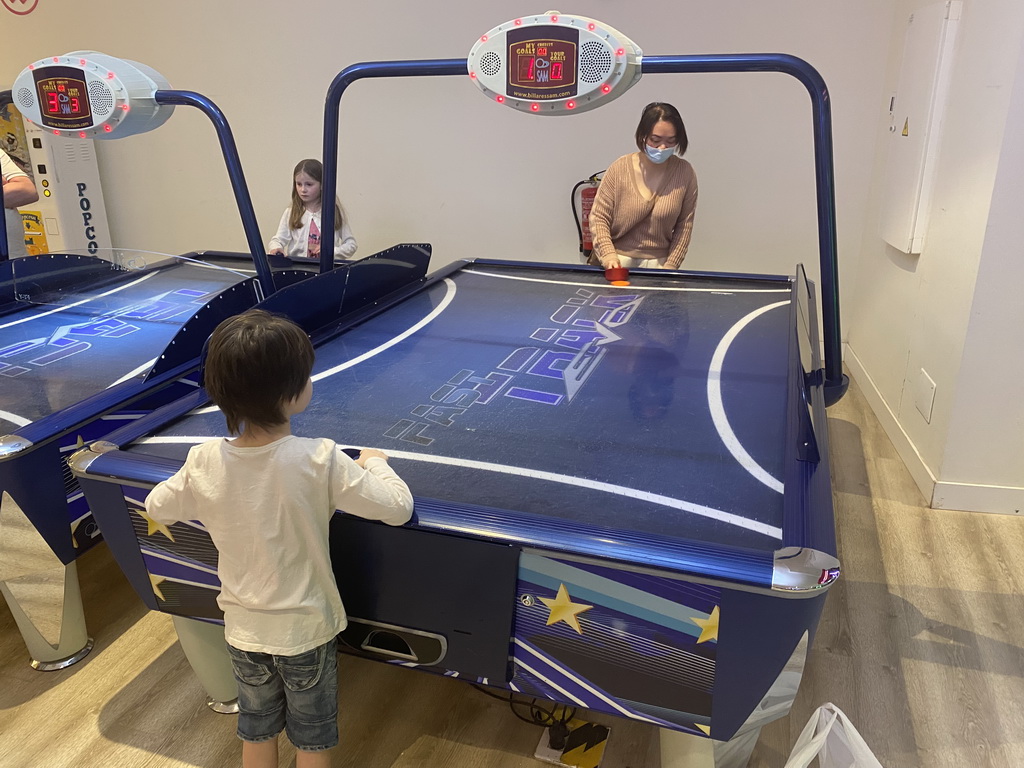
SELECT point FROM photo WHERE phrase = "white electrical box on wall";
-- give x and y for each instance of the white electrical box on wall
(916, 114)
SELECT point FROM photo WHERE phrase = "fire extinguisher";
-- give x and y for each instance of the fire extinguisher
(586, 190)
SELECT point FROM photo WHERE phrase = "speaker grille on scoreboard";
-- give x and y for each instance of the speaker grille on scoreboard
(595, 62)
(26, 98)
(100, 96)
(490, 63)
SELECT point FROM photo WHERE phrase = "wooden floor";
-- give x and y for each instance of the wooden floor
(920, 644)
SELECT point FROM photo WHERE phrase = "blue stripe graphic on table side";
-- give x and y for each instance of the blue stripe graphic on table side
(607, 591)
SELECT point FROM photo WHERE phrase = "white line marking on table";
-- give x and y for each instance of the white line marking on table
(132, 374)
(717, 408)
(14, 418)
(445, 302)
(77, 303)
(666, 501)
(625, 287)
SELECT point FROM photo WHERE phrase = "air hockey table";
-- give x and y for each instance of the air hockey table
(89, 340)
(82, 349)
(622, 493)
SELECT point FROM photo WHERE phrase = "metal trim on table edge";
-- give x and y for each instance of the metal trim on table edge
(802, 569)
(12, 444)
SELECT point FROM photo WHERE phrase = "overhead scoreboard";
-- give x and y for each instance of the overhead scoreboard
(554, 64)
(89, 95)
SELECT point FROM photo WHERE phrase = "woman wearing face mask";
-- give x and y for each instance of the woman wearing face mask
(643, 212)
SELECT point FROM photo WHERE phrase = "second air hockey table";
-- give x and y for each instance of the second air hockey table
(622, 494)
(86, 344)
(89, 340)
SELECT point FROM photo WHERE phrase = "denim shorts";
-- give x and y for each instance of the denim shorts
(298, 694)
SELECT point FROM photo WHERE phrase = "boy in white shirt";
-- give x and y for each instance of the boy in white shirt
(266, 498)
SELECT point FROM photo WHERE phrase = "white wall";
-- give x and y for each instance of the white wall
(985, 454)
(433, 160)
(920, 312)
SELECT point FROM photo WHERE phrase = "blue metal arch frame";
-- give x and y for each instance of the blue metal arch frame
(836, 382)
(234, 167)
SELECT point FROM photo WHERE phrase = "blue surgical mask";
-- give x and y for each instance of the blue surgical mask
(659, 156)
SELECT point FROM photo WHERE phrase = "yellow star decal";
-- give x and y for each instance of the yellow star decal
(564, 609)
(74, 530)
(153, 527)
(705, 728)
(708, 626)
(155, 582)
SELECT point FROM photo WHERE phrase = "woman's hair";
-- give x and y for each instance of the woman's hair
(653, 114)
(255, 363)
(315, 170)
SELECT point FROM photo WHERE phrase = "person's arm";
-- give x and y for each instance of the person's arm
(601, 215)
(684, 226)
(279, 242)
(18, 191)
(344, 243)
(171, 501)
(370, 488)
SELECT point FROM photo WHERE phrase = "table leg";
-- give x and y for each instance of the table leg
(42, 593)
(205, 649)
(49, 607)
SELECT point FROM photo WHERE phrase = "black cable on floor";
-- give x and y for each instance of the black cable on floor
(538, 715)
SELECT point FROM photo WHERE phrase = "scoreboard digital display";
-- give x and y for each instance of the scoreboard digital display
(541, 63)
(63, 98)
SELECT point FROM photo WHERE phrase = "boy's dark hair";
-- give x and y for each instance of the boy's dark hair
(255, 363)
(653, 114)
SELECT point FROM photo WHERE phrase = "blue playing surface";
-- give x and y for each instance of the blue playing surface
(57, 349)
(553, 393)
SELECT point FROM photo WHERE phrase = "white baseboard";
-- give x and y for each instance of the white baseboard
(940, 494)
(901, 440)
(1000, 499)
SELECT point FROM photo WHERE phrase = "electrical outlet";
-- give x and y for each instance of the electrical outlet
(924, 394)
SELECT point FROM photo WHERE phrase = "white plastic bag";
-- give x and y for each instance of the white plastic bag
(830, 736)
